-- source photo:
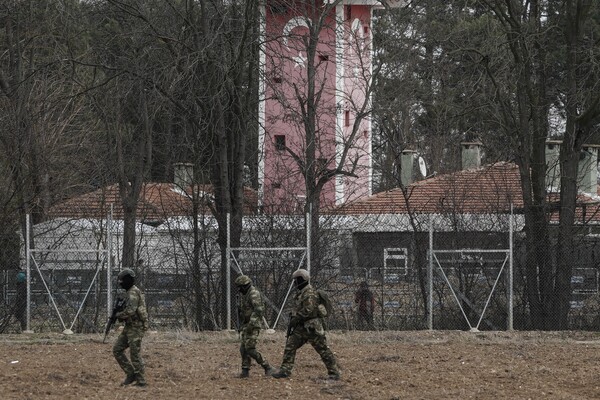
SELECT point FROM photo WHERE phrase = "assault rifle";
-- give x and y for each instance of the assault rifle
(119, 306)
(290, 328)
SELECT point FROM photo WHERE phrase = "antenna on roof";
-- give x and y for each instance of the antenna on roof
(422, 166)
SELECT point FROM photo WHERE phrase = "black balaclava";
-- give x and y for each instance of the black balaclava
(126, 282)
(244, 288)
(300, 283)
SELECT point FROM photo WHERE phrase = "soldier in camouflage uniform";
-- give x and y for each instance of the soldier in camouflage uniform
(251, 309)
(135, 317)
(307, 326)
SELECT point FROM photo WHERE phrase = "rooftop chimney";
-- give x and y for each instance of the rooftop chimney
(183, 175)
(407, 170)
(587, 170)
(553, 165)
(471, 155)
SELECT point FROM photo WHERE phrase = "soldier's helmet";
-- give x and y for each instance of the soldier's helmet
(243, 280)
(125, 273)
(301, 273)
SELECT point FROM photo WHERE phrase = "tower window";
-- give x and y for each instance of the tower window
(323, 57)
(280, 142)
(366, 30)
(347, 118)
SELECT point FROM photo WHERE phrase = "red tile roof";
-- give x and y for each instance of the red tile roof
(481, 190)
(490, 189)
(157, 202)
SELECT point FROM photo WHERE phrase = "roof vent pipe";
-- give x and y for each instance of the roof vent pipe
(407, 161)
(587, 170)
(471, 155)
(183, 175)
(553, 165)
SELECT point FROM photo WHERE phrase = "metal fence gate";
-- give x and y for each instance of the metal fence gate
(74, 283)
(471, 278)
(254, 261)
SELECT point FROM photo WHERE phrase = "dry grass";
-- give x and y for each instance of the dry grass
(376, 365)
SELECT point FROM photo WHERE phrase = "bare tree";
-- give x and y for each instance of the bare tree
(524, 68)
(220, 59)
(324, 110)
(126, 101)
(426, 97)
(549, 51)
(200, 58)
(577, 21)
(44, 135)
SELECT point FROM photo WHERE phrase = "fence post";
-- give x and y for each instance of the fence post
(510, 269)
(28, 263)
(228, 275)
(430, 276)
(308, 238)
(109, 239)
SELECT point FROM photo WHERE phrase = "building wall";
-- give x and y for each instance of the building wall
(343, 68)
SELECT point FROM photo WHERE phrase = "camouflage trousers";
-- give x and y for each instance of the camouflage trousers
(248, 348)
(131, 338)
(297, 339)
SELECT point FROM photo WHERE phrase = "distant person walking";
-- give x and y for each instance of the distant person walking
(251, 309)
(365, 301)
(21, 299)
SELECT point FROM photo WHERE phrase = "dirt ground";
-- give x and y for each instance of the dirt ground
(375, 365)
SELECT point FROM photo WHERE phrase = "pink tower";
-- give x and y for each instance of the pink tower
(341, 75)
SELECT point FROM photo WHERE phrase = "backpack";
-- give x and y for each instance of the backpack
(325, 308)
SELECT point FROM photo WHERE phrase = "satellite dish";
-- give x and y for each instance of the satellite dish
(422, 166)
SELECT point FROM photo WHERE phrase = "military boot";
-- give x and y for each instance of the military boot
(141, 381)
(269, 370)
(281, 374)
(245, 373)
(333, 376)
(129, 379)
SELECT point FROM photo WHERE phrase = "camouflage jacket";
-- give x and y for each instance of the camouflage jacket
(251, 308)
(135, 313)
(306, 303)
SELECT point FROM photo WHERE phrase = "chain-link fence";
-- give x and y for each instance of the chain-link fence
(392, 257)
(375, 269)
